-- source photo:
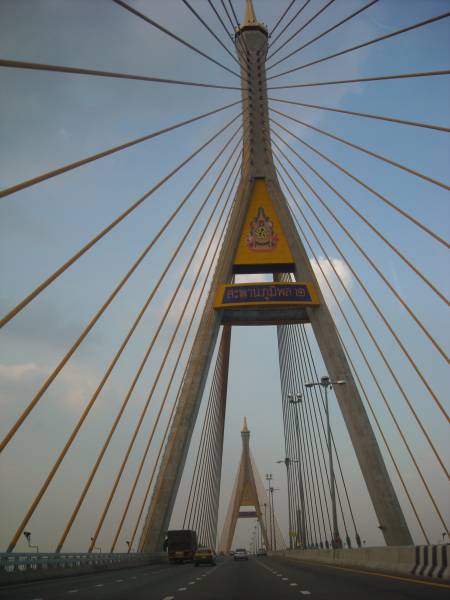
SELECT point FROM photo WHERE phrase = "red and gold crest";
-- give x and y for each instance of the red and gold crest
(262, 235)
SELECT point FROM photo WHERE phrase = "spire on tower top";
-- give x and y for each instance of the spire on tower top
(250, 17)
(250, 21)
(245, 428)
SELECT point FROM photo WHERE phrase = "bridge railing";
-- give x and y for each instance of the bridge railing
(25, 561)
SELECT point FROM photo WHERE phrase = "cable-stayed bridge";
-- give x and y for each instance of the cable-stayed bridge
(287, 170)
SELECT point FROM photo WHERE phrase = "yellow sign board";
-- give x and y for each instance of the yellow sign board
(262, 247)
(265, 294)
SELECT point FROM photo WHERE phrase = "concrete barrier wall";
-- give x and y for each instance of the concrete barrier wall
(36, 574)
(423, 561)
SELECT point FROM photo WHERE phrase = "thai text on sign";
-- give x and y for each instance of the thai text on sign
(265, 293)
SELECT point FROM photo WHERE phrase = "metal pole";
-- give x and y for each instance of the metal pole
(273, 519)
(303, 533)
(265, 519)
(287, 462)
(336, 538)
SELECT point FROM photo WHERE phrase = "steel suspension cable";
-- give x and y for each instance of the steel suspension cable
(150, 395)
(203, 449)
(172, 35)
(216, 37)
(220, 20)
(374, 304)
(186, 270)
(365, 115)
(289, 23)
(312, 506)
(321, 35)
(19, 64)
(74, 165)
(355, 337)
(144, 456)
(204, 514)
(197, 464)
(304, 372)
(191, 322)
(366, 151)
(299, 376)
(378, 233)
(126, 399)
(195, 476)
(365, 44)
(41, 287)
(309, 455)
(313, 371)
(94, 319)
(310, 20)
(83, 416)
(240, 40)
(290, 434)
(281, 18)
(363, 354)
(367, 187)
(363, 79)
(386, 443)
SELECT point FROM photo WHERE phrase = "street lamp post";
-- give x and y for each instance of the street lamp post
(27, 534)
(287, 461)
(265, 522)
(269, 480)
(294, 400)
(326, 384)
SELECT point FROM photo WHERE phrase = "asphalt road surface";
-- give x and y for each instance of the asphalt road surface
(261, 579)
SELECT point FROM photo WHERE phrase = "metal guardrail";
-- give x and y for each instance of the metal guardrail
(24, 561)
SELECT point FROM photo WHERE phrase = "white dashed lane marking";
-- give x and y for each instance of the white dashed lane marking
(293, 584)
(182, 589)
(305, 592)
(119, 580)
(192, 583)
(100, 585)
(169, 598)
(73, 591)
(284, 579)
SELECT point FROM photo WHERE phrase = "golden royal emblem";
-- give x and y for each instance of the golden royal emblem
(262, 235)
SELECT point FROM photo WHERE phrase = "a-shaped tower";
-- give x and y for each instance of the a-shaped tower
(262, 238)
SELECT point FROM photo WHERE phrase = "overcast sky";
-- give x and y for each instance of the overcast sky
(50, 119)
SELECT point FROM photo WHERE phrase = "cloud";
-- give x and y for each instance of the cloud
(21, 380)
(341, 268)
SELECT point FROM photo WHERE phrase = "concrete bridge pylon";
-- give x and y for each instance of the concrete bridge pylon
(249, 243)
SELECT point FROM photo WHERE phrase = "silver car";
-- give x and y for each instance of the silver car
(241, 554)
